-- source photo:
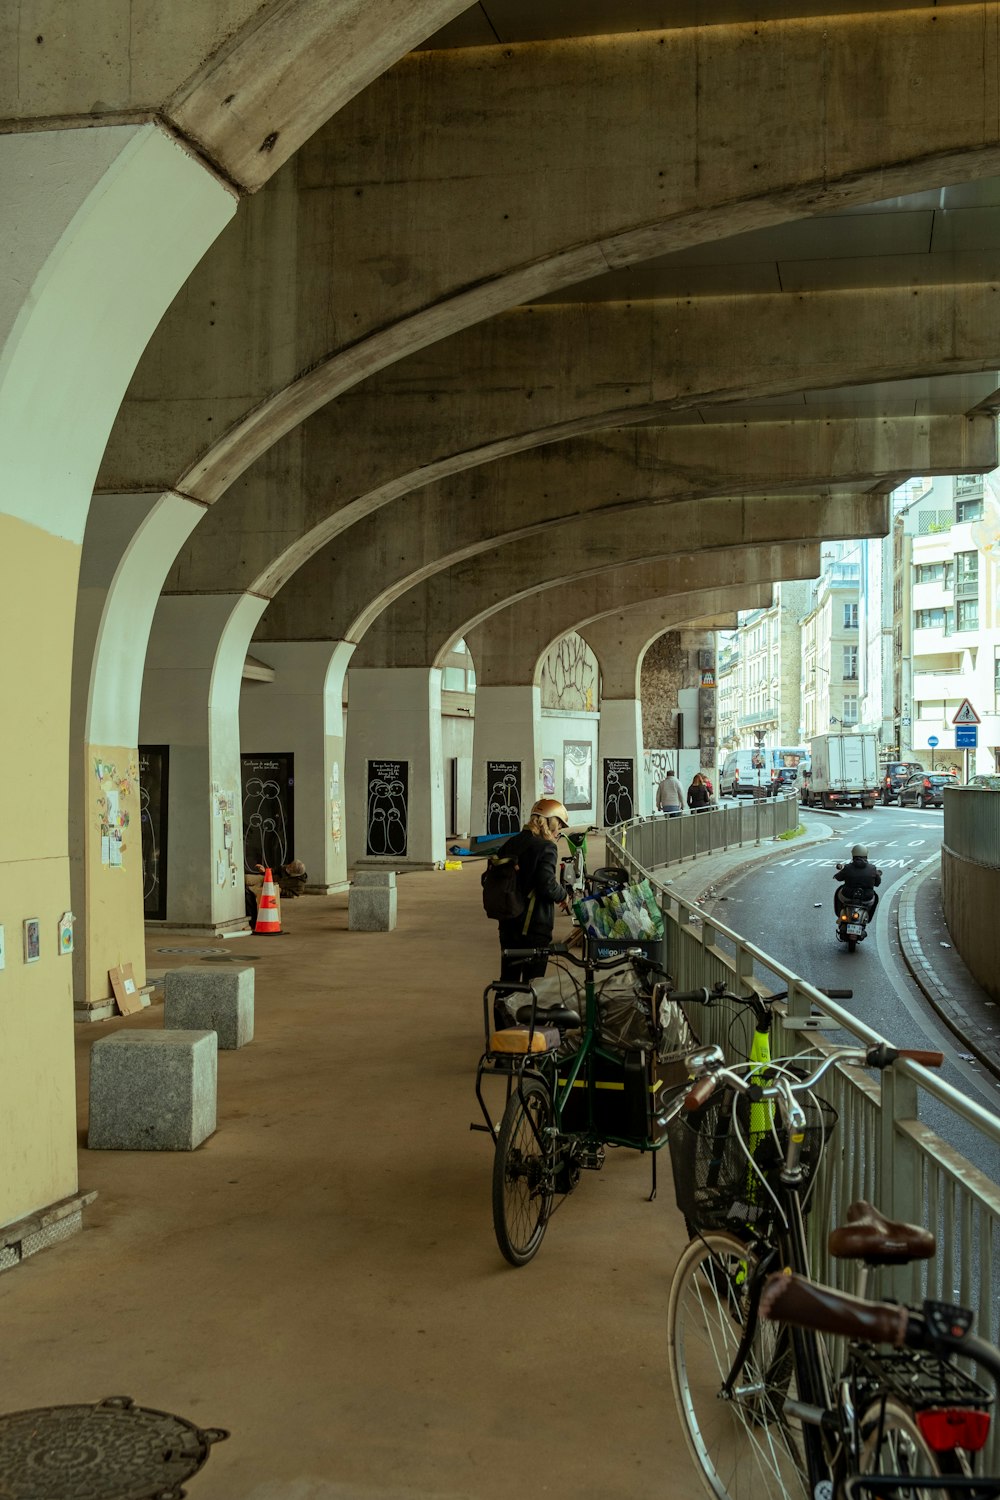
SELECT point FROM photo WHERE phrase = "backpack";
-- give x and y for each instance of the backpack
(502, 894)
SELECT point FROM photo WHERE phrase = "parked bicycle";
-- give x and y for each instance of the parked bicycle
(760, 1403)
(570, 1093)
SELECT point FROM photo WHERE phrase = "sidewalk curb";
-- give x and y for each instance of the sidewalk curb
(935, 992)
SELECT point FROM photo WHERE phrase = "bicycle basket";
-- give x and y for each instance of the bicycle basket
(715, 1185)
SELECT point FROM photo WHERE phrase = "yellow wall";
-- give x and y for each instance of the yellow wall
(115, 929)
(37, 1088)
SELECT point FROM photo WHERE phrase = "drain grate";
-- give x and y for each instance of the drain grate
(114, 1450)
(197, 952)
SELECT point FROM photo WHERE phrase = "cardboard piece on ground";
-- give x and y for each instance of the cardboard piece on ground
(126, 991)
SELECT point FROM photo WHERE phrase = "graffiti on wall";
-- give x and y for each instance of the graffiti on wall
(569, 675)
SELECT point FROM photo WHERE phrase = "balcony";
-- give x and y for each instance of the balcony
(941, 683)
(767, 716)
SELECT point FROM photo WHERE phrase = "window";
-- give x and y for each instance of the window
(966, 575)
(850, 709)
(967, 614)
(850, 663)
(897, 597)
(453, 680)
(968, 510)
(935, 619)
(930, 572)
(850, 617)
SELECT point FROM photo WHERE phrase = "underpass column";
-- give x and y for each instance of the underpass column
(395, 767)
(506, 757)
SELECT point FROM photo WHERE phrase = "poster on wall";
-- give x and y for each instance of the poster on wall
(154, 778)
(578, 774)
(388, 806)
(503, 796)
(267, 783)
(548, 778)
(619, 791)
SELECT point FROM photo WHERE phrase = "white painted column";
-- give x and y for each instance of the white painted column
(191, 701)
(102, 227)
(302, 711)
(620, 738)
(508, 729)
(129, 545)
(394, 717)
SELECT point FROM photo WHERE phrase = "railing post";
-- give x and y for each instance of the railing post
(897, 1172)
(756, 821)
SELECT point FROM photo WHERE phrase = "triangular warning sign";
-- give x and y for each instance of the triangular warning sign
(966, 714)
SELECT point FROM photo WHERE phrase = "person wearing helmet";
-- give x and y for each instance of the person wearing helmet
(858, 880)
(534, 848)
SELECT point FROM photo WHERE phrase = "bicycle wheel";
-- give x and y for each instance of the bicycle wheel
(892, 1443)
(744, 1446)
(522, 1173)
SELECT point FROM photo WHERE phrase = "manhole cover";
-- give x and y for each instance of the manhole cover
(195, 952)
(112, 1451)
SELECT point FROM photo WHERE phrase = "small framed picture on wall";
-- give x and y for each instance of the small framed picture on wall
(32, 940)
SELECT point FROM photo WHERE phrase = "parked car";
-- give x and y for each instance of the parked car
(925, 790)
(894, 773)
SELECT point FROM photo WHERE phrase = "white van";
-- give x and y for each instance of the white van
(772, 768)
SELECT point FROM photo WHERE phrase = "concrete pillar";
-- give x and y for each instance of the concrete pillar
(395, 767)
(128, 547)
(302, 711)
(620, 738)
(190, 702)
(508, 730)
(105, 226)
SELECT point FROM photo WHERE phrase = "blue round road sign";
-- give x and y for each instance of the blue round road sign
(932, 740)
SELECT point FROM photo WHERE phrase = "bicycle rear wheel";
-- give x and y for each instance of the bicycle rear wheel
(892, 1443)
(743, 1446)
(522, 1173)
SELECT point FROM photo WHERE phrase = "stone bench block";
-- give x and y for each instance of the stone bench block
(214, 997)
(371, 908)
(153, 1090)
(384, 879)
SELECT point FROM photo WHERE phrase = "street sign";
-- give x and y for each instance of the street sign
(966, 714)
(966, 736)
(933, 740)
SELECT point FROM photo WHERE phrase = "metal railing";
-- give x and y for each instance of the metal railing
(881, 1150)
(660, 841)
(972, 824)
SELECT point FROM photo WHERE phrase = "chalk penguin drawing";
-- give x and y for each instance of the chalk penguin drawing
(617, 801)
(265, 841)
(150, 853)
(396, 819)
(377, 833)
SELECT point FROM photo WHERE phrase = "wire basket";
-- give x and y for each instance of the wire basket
(716, 1186)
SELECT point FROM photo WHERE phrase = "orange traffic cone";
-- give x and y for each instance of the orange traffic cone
(268, 920)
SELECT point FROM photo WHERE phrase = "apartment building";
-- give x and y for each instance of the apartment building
(763, 688)
(830, 648)
(946, 624)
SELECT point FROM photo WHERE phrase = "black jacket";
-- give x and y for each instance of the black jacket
(536, 873)
(860, 878)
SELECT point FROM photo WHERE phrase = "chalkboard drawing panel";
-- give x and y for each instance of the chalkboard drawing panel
(503, 796)
(388, 799)
(619, 791)
(154, 778)
(578, 785)
(268, 782)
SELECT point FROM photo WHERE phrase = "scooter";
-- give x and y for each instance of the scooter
(852, 918)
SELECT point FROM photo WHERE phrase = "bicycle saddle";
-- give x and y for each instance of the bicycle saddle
(553, 1015)
(869, 1236)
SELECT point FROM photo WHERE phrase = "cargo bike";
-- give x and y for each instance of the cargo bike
(607, 1065)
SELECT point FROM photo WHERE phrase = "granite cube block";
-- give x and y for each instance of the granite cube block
(386, 879)
(153, 1090)
(211, 997)
(371, 908)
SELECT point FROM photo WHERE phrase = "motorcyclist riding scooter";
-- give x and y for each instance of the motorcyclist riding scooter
(854, 904)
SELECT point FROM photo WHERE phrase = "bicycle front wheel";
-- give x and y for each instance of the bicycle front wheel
(892, 1443)
(522, 1173)
(741, 1443)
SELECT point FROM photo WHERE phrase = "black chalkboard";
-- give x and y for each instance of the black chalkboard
(388, 807)
(154, 777)
(268, 807)
(619, 791)
(503, 796)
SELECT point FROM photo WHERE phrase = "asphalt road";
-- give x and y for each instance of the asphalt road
(785, 906)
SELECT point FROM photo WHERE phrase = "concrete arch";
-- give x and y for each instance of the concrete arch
(607, 205)
(505, 647)
(422, 423)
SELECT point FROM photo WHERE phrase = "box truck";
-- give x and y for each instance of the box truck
(842, 771)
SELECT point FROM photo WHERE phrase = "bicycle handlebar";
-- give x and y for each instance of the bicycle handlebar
(560, 950)
(881, 1057)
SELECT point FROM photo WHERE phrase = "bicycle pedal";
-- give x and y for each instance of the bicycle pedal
(592, 1157)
